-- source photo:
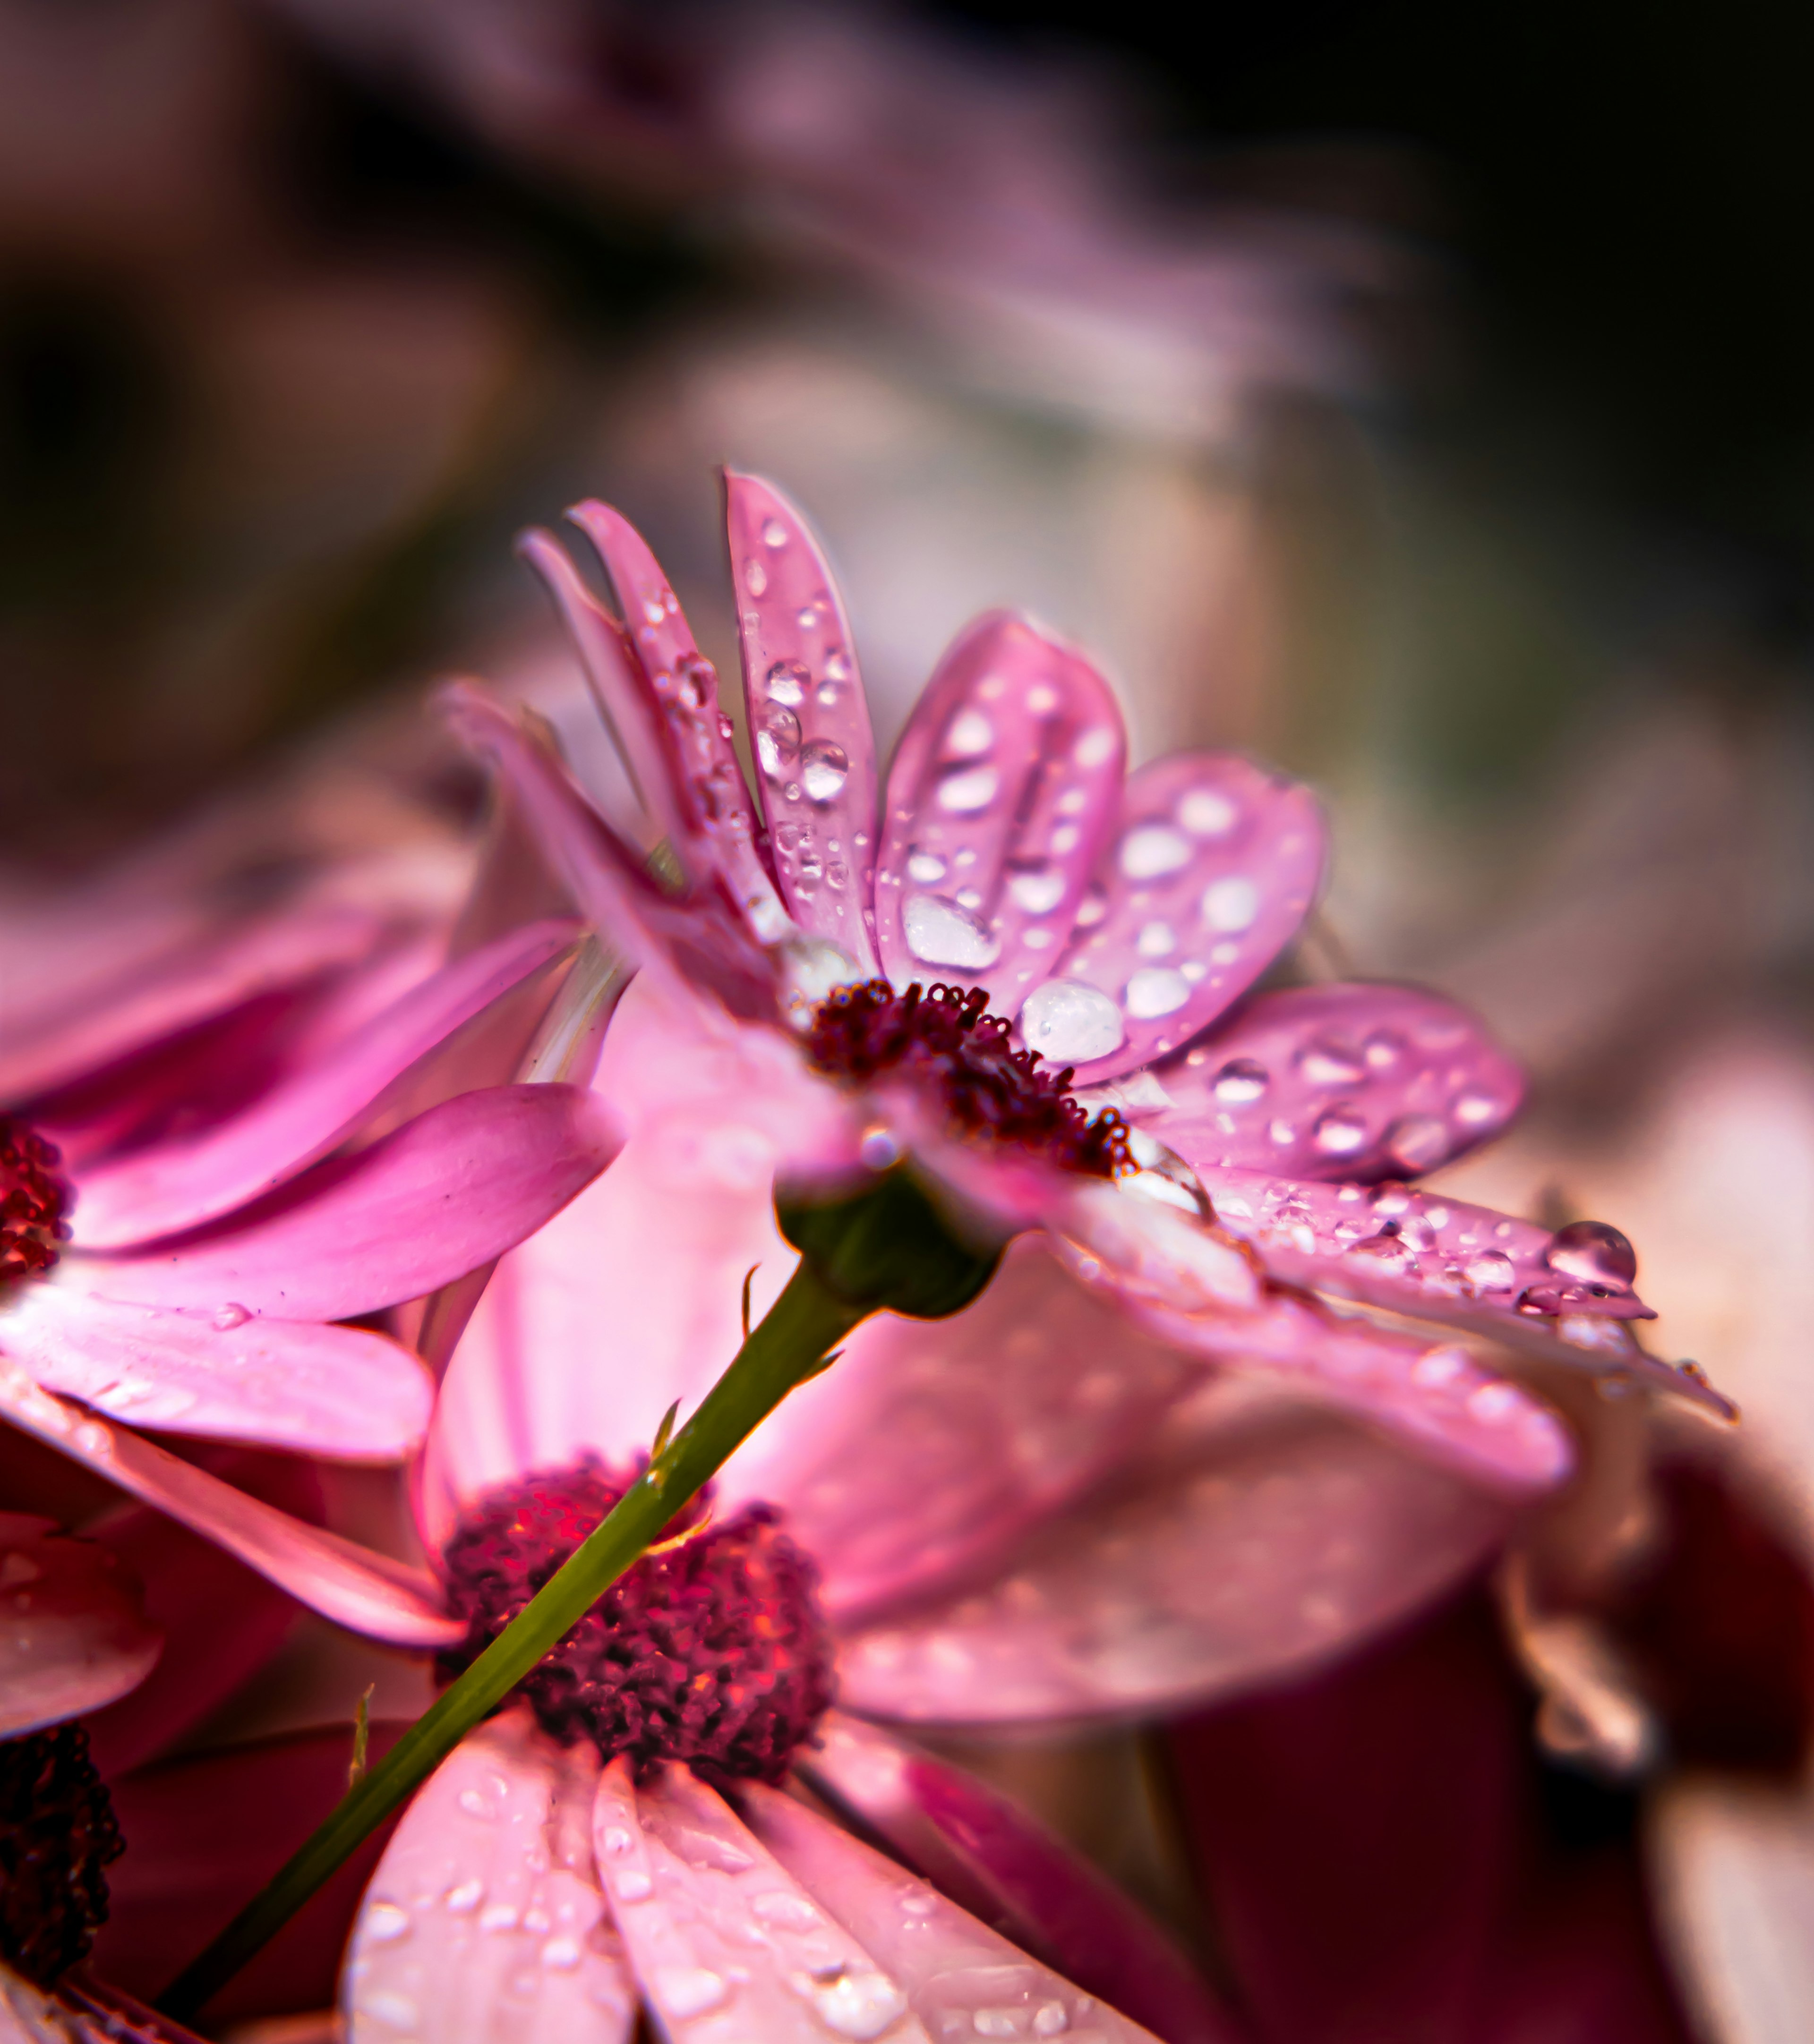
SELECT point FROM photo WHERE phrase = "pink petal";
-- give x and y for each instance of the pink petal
(73, 1630)
(1252, 1539)
(1000, 797)
(985, 1854)
(707, 779)
(1357, 1082)
(807, 718)
(369, 1593)
(1213, 866)
(726, 1943)
(484, 1920)
(178, 1184)
(431, 1200)
(960, 1978)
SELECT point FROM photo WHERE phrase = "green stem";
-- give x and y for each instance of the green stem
(790, 1345)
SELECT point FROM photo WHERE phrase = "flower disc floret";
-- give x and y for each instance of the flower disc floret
(33, 1199)
(57, 1831)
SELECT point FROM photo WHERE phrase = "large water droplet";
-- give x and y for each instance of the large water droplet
(824, 770)
(1205, 813)
(232, 1315)
(1039, 893)
(1149, 850)
(1340, 1131)
(1240, 1082)
(970, 733)
(787, 682)
(1156, 990)
(1156, 940)
(384, 1922)
(1595, 1254)
(1071, 1022)
(1490, 1271)
(860, 2005)
(774, 534)
(1230, 906)
(1324, 1063)
(1418, 1142)
(963, 793)
(926, 867)
(1386, 1254)
(689, 1991)
(939, 932)
(778, 742)
(1095, 748)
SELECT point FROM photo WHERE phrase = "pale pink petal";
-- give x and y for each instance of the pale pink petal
(987, 1854)
(366, 1592)
(961, 1978)
(439, 1195)
(1252, 1539)
(73, 1630)
(726, 1945)
(707, 779)
(809, 720)
(178, 1184)
(1000, 797)
(1356, 1081)
(484, 1921)
(1214, 864)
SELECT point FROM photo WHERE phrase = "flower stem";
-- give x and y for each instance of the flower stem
(788, 1346)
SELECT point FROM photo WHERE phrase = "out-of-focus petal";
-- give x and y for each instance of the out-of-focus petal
(726, 1943)
(986, 1854)
(484, 1921)
(1214, 864)
(1000, 797)
(74, 1634)
(180, 1184)
(809, 720)
(1254, 1538)
(1355, 1082)
(446, 1192)
(960, 1978)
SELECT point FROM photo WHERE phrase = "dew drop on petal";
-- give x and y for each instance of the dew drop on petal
(1149, 850)
(1594, 1252)
(1382, 1050)
(1156, 940)
(1386, 1254)
(232, 1315)
(1094, 748)
(1038, 892)
(786, 682)
(684, 1991)
(1091, 909)
(1206, 814)
(859, 2005)
(970, 733)
(778, 742)
(1473, 1108)
(1071, 1022)
(774, 534)
(1324, 1063)
(755, 577)
(1490, 1271)
(1240, 1082)
(1417, 1142)
(939, 932)
(1340, 1131)
(1156, 990)
(384, 1922)
(963, 793)
(825, 767)
(1042, 699)
(926, 867)
(1230, 906)
(463, 1899)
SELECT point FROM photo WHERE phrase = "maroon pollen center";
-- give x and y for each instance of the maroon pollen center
(57, 1831)
(33, 1199)
(712, 1650)
(945, 1038)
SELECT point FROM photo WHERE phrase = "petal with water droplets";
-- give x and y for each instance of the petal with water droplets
(73, 1630)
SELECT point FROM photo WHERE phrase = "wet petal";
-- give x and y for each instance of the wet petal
(986, 1852)
(961, 1978)
(1357, 1082)
(437, 1197)
(1214, 864)
(809, 720)
(1254, 1538)
(1000, 797)
(726, 1943)
(483, 1921)
(74, 1634)
(180, 1184)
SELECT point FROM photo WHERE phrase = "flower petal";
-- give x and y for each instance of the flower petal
(436, 1198)
(1356, 1082)
(807, 718)
(178, 1184)
(484, 1918)
(1255, 1538)
(961, 1978)
(1213, 866)
(369, 1593)
(1000, 797)
(724, 1942)
(74, 1634)
(983, 1851)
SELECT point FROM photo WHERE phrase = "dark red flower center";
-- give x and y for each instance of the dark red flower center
(57, 1833)
(711, 1651)
(945, 1038)
(33, 1199)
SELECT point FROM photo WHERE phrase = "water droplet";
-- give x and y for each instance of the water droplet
(966, 792)
(778, 742)
(755, 577)
(384, 1922)
(1042, 699)
(824, 768)
(1418, 1142)
(968, 898)
(1324, 1063)
(1156, 990)
(1386, 1254)
(926, 867)
(397, 2010)
(1230, 906)
(1039, 893)
(462, 1899)
(633, 1886)
(785, 1908)
(878, 1149)
(1096, 747)
(786, 682)
(1595, 1254)
(93, 1439)
(688, 1991)
(476, 1805)
(232, 1315)
(1091, 909)
(1206, 814)
(1493, 1404)
(1438, 1367)
(1340, 1131)
(1151, 850)
(654, 609)
(774, 534)
(1418, 1234)
(1490, 1271)
(499, 1916)
(861, 2005)
(1071, 1022)
(1156, 940)
(996, 2022)
(1382, 1050)
(939, 932)
(837, 665)
(807, 617)
(1239, 1081)
(616, 1840)
(970, 733)
(1050, 2019)
(1474, 1108)
(561, 1954)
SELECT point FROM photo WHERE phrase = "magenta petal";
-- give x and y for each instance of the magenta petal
(960, 1978)
(484, 1920)
(179, 1185)
(445, 1192)
(1000, 797)
(809, 720)
(1214, 865)
(73, 1630)
(984, 1852)
(1356, 1081)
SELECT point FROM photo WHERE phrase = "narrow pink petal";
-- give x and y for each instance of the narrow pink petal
(703, 764)
(366, 1592)
(74, 1634)
(1001, 797)
(987, 1854)
(1214, 864)
(808, 717)
(178, 1184)
(726, 1943)
(484, 1920)
(960, 1978)
(431, 1200)
(1254, 1537)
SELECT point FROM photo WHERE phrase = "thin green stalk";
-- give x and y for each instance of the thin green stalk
(790, 1345)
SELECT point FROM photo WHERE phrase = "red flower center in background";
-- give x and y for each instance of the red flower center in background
(57, 1832)
(32, 1202)
(945, 1038)
(711, 1650)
